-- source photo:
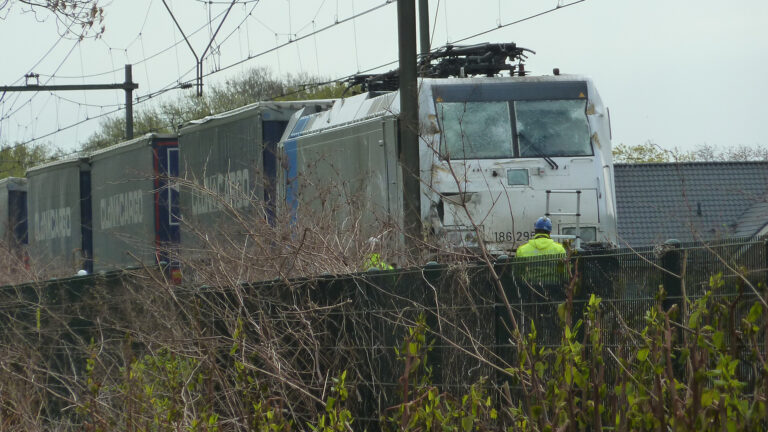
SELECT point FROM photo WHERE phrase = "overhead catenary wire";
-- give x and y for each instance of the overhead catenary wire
(48, 80)
(147, 97)
(135, 63)
(302, 37)
(179, 83)
(530, 17)
(279, 46)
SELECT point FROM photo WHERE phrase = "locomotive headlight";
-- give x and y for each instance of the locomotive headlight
(461, 236)
(587, 233)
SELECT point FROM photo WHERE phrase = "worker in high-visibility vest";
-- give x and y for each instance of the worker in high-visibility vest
(541, 243)
(373, 260)
(543, 271)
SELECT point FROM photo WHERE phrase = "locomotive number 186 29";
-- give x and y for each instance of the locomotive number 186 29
(508, 236)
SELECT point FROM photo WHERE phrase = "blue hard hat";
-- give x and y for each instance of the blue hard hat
(543, 223)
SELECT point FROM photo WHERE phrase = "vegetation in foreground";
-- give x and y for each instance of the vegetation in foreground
(178, 359)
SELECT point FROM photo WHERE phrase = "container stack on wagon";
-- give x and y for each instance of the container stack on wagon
(59, 217)
(228, 168)
(135, 204)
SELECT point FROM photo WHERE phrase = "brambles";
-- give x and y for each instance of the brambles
(412, 349)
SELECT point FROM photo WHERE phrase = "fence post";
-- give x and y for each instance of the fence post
(505, 270)
(671, 262)
(433, 273)
(765, 256)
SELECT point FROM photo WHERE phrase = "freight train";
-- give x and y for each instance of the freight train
(495, 153)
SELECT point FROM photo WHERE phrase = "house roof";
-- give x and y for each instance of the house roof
(690, 201)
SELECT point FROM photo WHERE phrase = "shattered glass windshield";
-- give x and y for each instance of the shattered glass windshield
(552, 128)
(542, 128)
(475, 130)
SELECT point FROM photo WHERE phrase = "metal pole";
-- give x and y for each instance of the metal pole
(128, 102)
(424, 28)
(409, 122)
(128, 86)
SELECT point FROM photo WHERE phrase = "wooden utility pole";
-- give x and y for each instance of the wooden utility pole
(128, 86)
(424, 29)
(409, 123)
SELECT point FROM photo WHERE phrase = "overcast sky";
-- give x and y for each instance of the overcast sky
(679, 73)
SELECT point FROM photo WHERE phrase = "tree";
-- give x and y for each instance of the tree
(112, 129)
(647, 152)
(650, 152)
(16, 159)
(76, 18)
(707, 153)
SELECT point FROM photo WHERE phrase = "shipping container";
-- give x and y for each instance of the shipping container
(135, 203)
(13, 211)
(228, 168)
(59, 212)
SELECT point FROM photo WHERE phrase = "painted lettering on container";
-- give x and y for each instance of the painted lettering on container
(121, 209)
(53, 224)
(222, 190)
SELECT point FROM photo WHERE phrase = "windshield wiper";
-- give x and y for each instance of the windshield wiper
(539, 153)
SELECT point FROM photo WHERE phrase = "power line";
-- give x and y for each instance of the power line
(49, 79)
(250, 57)
(70, 126)
(144, 60)
(501, 26)
(304, 87)
(279, 46)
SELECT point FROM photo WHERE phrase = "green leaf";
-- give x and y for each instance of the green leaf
(536, 410)
(413, 348)
(642, 354)
(755, 312)
(693, 321)
(579, 379)
(718, 340)
(466, 423)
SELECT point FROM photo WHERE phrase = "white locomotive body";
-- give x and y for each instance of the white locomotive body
(495, 154)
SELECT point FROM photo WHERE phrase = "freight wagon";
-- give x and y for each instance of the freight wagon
(117, 208)
(135, 204)
(59, 217)
(228, 170)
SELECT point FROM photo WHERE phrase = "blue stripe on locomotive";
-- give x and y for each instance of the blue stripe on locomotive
(271, 133)
(292, 179)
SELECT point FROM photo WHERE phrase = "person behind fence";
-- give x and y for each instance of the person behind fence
(542, 246)
(541, 243)
(373, 260)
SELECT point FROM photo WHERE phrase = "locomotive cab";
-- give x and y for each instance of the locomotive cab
(505, 151)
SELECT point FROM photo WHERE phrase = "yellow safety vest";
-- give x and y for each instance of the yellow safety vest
(374, 261)
(545, 271)
(541, 244)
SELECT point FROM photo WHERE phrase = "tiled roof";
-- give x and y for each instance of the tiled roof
(687, 201)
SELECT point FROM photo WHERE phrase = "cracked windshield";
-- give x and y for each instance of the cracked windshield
(475, 130)
(482, 130)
